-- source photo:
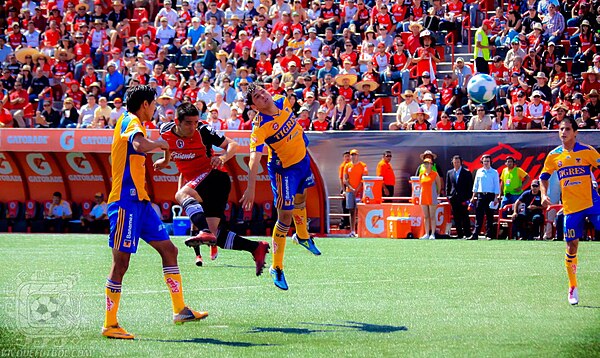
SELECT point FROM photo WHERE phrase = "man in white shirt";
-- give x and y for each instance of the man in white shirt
(32, 35)
(222, 106)
(486, 189)
(97, 220)
(167, 12)
(405, 111)
(58, 214)
(165, 33)
(116, 113)
(206, 93)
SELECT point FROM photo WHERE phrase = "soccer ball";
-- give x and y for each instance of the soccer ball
(45, 308)
(482, 88)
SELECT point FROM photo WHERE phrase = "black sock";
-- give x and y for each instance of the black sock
(197, 250)
(194, 210)
(230, 240)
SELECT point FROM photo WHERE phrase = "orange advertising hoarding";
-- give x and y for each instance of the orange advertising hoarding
(76, 162)
(372, 218)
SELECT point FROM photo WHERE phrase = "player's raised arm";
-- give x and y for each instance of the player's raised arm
(231, 148)
(247, 199)
(145, 145)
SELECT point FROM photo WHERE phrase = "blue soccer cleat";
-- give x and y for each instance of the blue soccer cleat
(278, 278)
(308, 244)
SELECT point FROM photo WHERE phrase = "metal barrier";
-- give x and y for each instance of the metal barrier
(450, 42)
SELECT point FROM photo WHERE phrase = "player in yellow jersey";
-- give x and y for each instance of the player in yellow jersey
(573, 163)
(131, 214)
(289, 170)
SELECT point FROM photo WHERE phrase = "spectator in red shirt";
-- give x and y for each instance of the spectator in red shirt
(426, 57)
(145, 29)
(18, 99)
(320, 123)
(420, 121)
(6, 119)
(444, 124)
(518, 120)
(448, 94)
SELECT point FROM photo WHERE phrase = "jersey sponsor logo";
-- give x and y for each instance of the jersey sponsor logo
(179, 143)
(132, 192)
(182, 156)
(568, 182)
(79, 163)
(574, 171)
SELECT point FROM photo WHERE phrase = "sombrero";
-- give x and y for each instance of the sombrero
(428, 152)
(222, 53)
(372, 85)
(339, 79)
(425, 116)
(80, 5)
(24, 52)
(41, 54)
(243, 68)
(588, 72)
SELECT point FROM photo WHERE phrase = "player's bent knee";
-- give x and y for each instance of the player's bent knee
(284, 216)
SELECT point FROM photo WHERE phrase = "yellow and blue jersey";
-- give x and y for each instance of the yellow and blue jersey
(128, 165)
(281, 133)
(574, 169)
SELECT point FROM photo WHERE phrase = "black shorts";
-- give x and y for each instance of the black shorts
(214, 191)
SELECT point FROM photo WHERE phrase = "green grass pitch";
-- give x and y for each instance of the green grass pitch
(361, 298)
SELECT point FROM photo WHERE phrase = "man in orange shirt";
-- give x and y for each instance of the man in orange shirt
(345, 223)
(353, 173)
(384, 169)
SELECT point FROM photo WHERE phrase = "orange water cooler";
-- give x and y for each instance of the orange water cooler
(372, 188)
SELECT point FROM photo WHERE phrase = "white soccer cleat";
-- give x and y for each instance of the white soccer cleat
(424, 237)
(432, 237)
(573, 296)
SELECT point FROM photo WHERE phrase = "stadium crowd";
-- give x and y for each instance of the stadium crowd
(68, 63)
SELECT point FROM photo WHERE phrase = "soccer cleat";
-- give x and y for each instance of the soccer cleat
(214, 252)
(116, 332)
(432, 237)
(308, 244)
(278, 278)
(352, 234)
(203, 237)
(188, 315)
(573, 295)
(259, 255)
(424, 237)
(199, 261)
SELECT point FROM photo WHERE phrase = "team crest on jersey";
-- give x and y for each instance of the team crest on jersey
(179, 143)
(559, 164)
(275, 126)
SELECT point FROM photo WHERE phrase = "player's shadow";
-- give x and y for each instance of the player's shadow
(364, 327)
(214, 341)
(593, 307)
(286, 330)
(360, 326)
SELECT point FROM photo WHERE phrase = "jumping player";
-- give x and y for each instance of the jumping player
(203, 178)
(131, 215)
(573, 161)
(289, 170)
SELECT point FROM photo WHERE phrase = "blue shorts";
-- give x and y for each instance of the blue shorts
(287, 182)
(574, 224)
(130, 221)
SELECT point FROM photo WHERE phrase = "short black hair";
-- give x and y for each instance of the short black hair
(57, 194)
(186, 109)
(457, 157)
(347, 152)
(573, 122)
(387, 152)
(136, 95)
(251, 88)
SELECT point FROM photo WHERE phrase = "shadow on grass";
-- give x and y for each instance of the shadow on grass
(217, 342)
(364, 327)
(288, 330)
(360, 326)
(594, 307)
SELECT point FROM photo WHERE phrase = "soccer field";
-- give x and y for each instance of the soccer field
(362, 297)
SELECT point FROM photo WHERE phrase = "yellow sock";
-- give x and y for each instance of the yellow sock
(571, 264)
(173, 280)
(113, 296)
(279, 234)
(300, 223)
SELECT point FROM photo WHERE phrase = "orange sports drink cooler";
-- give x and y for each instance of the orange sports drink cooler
(372, 189)
(415, 184)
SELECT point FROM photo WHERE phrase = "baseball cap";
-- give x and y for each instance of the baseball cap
(460, 59)
(354, 151)
(118, 100)
(535, 182)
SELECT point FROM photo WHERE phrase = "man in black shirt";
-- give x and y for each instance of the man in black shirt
(38, 83)
(528, 213)
(48, 118)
